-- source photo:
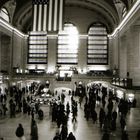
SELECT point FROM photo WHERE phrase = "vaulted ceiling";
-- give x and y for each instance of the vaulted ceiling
(22, 11)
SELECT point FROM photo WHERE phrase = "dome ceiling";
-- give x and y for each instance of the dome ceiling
(22, 17)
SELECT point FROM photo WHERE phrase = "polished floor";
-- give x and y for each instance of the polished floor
(82, 129)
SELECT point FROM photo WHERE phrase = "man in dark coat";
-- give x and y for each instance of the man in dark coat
(138, 135)
(124, 136)
(106, 136)
(34, 130)
(20, 132)
(57, 136)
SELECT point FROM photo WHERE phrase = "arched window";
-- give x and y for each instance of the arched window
(38, 48)
(67, 52)
(4, 14)
(97, 45)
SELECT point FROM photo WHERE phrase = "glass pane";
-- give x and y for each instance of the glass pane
(97, 45)
(68, 45)
(38, 48)
(4, 14)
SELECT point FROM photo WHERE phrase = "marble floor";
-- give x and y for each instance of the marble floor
(82, 129)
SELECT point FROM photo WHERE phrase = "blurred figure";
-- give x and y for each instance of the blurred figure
(101, 117)
(40, 114)
(138, 135)
(34, 130)
(57, 136)
(20, 132)
(134, 102)
(124, 136)
(64, 132)
(106, 136)
(71, 136)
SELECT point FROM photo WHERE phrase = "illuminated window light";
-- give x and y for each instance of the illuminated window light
(51, 69)
(21, 70)
(99, 67)
(4, 14)
(63, 73)
(68, 43)
(131, 95)
(120, 93)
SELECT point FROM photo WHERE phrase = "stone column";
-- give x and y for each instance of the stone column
(52, 53)
(114, 52)
(133, 52)
(123, 57)
(82, 54)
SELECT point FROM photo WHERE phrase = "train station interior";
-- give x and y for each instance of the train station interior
(71, 68)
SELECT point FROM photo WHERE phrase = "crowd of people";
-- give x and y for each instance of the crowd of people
(60, 112)
(3, 100)
(20, 101)
(34, 131)
(17, 100)
(111, 108)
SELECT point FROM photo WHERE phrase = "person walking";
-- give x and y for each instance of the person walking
(101, 117)
(20, 132)
(64, 132)
(124, 136)
(57, 136)
(138, 135)
(34, 130)
(71, 136)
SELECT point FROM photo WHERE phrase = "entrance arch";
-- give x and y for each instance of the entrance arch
(104, 83)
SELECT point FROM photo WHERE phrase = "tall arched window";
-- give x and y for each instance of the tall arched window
(97, 45)
(4, 14)
(37, 48)
(67, 52)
